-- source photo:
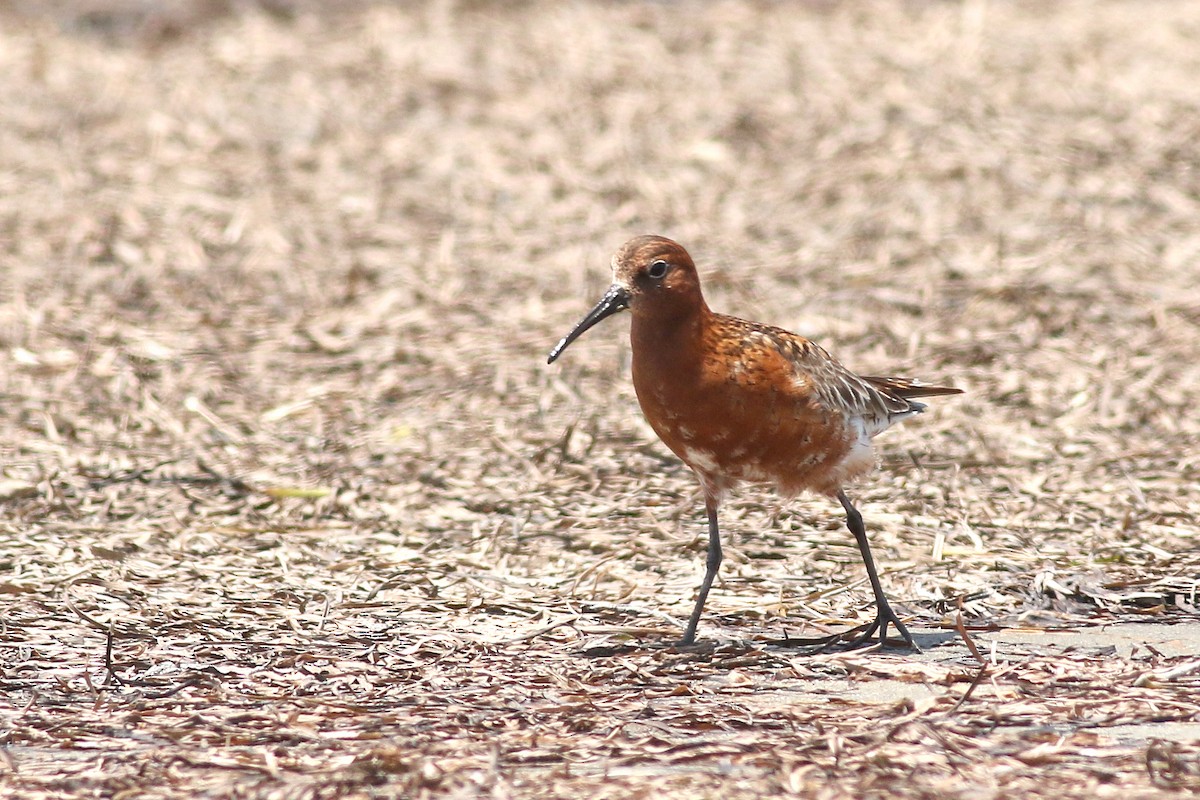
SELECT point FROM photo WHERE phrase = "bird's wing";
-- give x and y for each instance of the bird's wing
(817, 373)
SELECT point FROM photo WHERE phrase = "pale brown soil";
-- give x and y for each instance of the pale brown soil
(292, 505)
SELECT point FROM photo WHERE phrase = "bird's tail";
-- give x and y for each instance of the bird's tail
(907, 387)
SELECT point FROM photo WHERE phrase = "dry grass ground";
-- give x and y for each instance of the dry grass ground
(293, 507)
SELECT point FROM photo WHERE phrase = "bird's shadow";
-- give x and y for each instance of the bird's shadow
(809, 646)
(846, 642)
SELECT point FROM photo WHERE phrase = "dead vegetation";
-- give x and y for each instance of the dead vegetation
(292, 506)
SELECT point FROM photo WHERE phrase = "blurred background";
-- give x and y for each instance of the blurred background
(278, 280)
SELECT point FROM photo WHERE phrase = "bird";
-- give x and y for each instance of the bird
(741, 401)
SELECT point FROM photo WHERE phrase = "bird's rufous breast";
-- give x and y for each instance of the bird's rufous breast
(726, 400)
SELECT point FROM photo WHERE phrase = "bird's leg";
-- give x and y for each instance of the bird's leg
(884, 614)
(712, 564)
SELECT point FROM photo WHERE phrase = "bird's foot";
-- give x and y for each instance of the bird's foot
(692, 644)
(883, 617)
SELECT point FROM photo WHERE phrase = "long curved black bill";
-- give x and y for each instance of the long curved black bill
(614, 300)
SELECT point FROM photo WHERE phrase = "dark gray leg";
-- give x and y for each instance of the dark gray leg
(712, 564)
(884, 615)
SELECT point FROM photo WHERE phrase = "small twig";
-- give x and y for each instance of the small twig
(1179, 671)
(324, 615)
(108, 657)
(139, 474)
(962, 631)
(626, 608)
(195, 679)
(386, 583)
(33, 698)
(979, 676)
(983, 665)
(95, 623)
(541, 631)
(1169, 674)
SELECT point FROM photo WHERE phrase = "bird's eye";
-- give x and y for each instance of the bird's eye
(657, 269)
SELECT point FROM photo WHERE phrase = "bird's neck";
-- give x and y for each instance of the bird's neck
(670, 338)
